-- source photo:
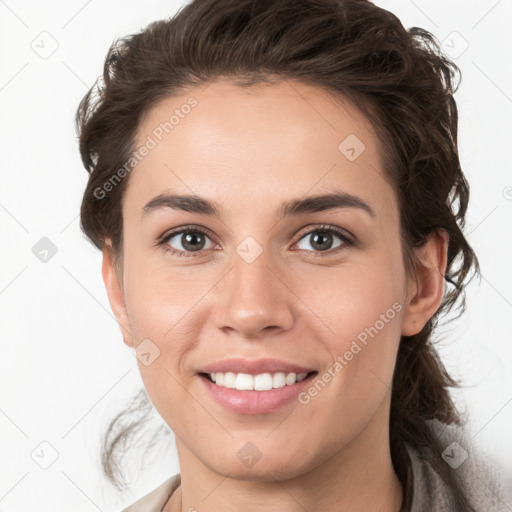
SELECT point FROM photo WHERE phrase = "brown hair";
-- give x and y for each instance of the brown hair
(398, 78)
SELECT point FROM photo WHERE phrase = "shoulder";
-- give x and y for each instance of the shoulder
(157, 498)
(483, 482)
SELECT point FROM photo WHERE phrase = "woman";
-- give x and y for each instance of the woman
(276, 190)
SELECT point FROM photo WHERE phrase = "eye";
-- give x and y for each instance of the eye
(323, 239)
(193, 240)
(187, 241)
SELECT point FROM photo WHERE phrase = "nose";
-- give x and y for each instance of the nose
(254, 300)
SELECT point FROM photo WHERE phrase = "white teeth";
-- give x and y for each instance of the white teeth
(279, 380)
(244, 381)
(229, 380)
(291, 379)
(260, 382)
(263, 382)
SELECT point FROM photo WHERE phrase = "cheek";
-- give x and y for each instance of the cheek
(363, 314)
(161, 300)
(166, 306)
(360, 307)
(353, 296)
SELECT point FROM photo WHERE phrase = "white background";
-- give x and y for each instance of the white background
(64, 370)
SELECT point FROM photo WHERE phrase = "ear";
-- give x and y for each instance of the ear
(115, 292)
(426, 287)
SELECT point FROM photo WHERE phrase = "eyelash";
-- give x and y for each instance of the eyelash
(324, 228)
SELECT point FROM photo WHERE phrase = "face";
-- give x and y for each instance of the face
(263, 274)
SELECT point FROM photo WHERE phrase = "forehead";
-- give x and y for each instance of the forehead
(277, 141)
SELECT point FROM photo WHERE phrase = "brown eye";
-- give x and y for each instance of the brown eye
(192, 241)
(322, 240)
(187, 241)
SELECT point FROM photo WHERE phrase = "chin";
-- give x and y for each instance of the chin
(265, 469)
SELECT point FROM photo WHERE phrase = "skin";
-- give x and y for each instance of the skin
(250, 149)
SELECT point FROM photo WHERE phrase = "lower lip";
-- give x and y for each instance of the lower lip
(255, 402)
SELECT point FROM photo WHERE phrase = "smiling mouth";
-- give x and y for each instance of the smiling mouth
(259, 382)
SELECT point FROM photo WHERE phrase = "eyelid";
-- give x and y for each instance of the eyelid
(307, 230)
(183, 229)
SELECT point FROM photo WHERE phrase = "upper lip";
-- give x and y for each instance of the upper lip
(253, 367)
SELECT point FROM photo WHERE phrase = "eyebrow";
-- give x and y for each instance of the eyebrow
(309, 204)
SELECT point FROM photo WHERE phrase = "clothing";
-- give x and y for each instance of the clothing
(155, 501)
(484, 486)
